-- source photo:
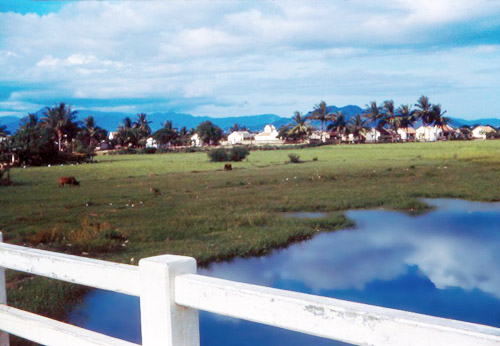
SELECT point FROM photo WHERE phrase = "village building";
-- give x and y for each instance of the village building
(196, 140)
(151, 143)
(407, 134)
(239, 137)
(112, 135)
(480, 132)
(269, 135)
(319, 137)
(380, 135)
(433, 133)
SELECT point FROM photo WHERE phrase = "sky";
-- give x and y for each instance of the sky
(232, 58)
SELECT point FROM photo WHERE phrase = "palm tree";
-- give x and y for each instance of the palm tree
(301, 128)
(321, 113)
(406, 117)
(373, 113)
(141, 125)
(91, 134)
(167, 134)
(126, 133)
(339, 125)
(358, 127)
(390, 115)
(439, 120)
(424, 110)
(62, 120)
(235, 128)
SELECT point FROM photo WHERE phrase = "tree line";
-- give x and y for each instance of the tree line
(385, 115)
(57, 136)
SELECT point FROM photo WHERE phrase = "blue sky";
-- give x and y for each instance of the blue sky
(228, 58)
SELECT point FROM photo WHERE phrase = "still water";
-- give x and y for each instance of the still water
(444, 263)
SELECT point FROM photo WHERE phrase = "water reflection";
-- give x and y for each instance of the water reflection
(443, 263)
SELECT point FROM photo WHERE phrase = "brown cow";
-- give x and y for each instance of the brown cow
(228, 167)
(71, 181)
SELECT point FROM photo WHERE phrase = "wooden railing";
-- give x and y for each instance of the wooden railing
(171, 293)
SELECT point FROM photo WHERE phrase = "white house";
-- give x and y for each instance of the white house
(318, 136)
(269, 135)
(479, 132)
(433, 133)
(407, 134)
(151, 143)
(196, 141)
(239, 136)
(372, 135)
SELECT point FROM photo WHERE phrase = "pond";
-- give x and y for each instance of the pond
(443, 263)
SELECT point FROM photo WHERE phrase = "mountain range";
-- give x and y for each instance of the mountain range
(111, 120)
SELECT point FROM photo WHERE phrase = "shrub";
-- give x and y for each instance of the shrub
(294, 158)
(239, 153)
(234, 154)
(147, 151)
(218, 155)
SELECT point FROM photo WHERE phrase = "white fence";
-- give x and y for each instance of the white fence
(171, 294)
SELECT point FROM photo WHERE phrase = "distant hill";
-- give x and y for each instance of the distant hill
(11, 122)
(111, 120)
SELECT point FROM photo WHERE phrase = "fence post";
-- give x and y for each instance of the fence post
(163, 322)
(4, 337)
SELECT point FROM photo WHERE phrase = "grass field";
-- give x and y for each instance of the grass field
(199, 210)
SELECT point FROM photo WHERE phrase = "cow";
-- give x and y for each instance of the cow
(228, 167)
(71, 181)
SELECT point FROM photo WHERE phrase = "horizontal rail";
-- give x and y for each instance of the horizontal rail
(46, 331)
(350, 322)
(110, 276)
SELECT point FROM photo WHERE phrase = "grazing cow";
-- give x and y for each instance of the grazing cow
(228, 167)
(71, 181)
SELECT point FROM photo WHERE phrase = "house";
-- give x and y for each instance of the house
(319, 137)
(196, 140)
(372, 135)
(381, 135)
(433, 133)
(151, 143)
(112, 135)
(269, 135)
(480, 132)
(239, 137)
(407, 134)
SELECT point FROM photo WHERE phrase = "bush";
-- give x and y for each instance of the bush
(294, 158)
(147, 151)
(218, 155)
(234, 154)
(239, 153)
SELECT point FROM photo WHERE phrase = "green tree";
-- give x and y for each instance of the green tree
(424, 110)
(34, 142)
(90, 135)
(358, 127)
(438, 118)
(209, 133)
(142, 128)
(406, 117)
(61, 121)
(321, 113)
(390, 115)
(167, 134)
(339, 125)
(127, 135)
(301, 129)
(374, 115)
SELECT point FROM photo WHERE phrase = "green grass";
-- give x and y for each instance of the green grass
(201, 211)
